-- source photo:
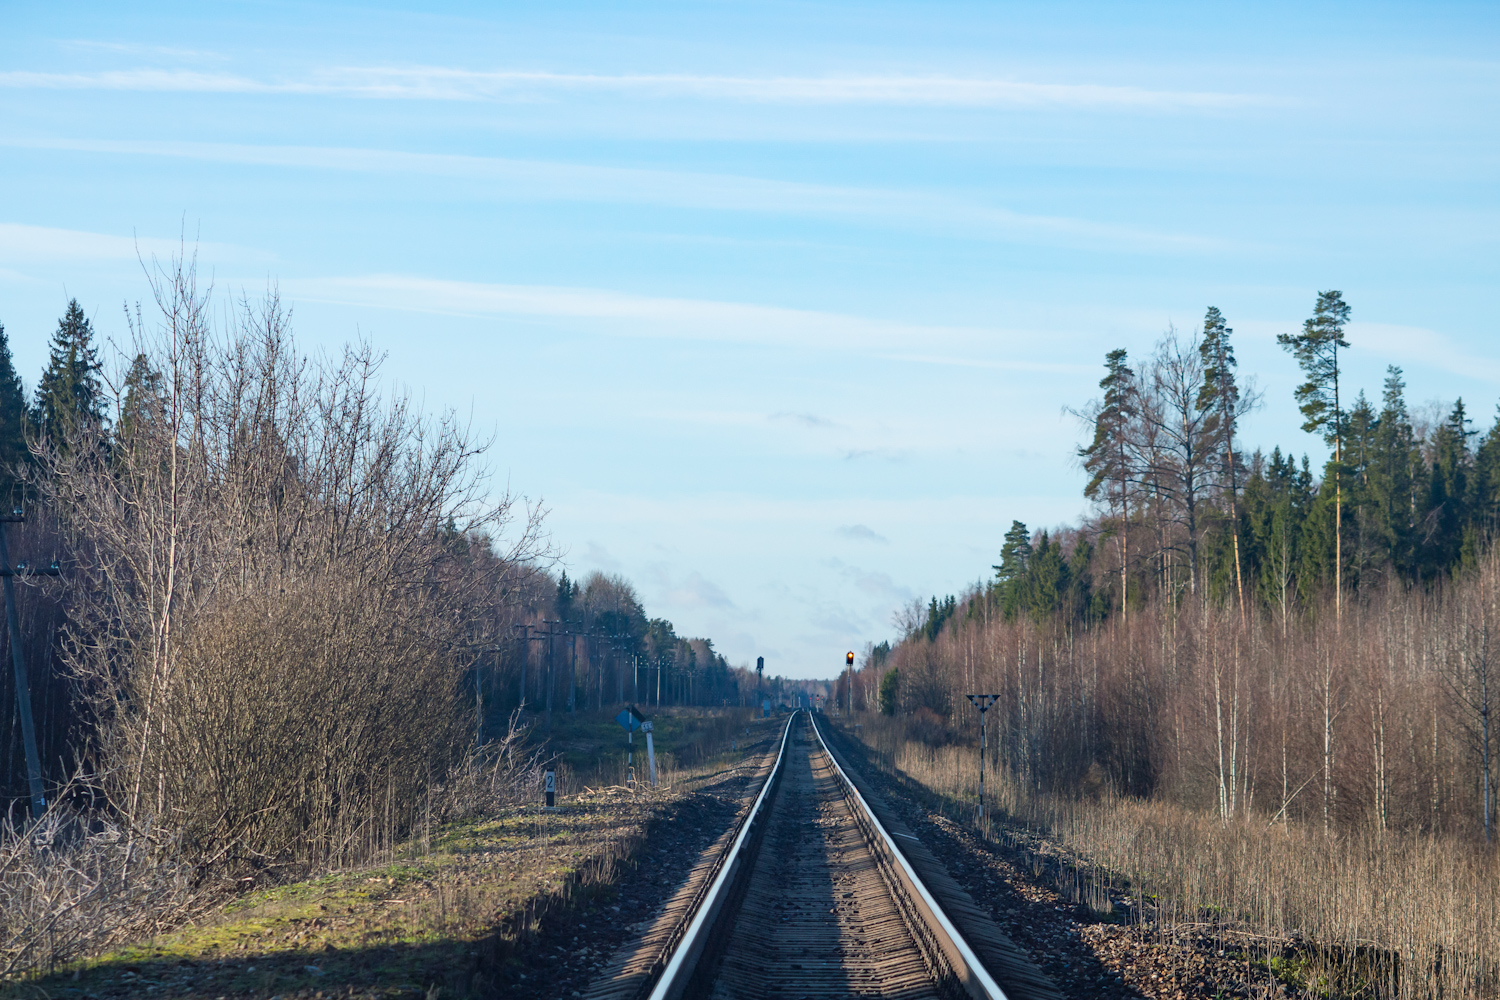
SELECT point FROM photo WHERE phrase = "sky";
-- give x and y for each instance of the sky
(778, 308)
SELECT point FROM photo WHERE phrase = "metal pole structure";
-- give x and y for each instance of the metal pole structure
(983, 703)
(525, 655)
(849, 695)
(550, 682)
(572, 668)
(18, 664)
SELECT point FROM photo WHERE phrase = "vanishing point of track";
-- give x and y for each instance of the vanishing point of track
(813, 896)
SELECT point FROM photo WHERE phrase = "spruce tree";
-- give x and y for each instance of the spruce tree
(69, 392)
(1316, 349)
(1448, 498)
(14, 422)
(1047, 579)
(1362, 425)
(143, 397)
(1486, 480)
(1395, 473)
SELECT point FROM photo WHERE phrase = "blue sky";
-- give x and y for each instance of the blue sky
(776, 306)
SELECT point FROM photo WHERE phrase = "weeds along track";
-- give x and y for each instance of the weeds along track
(813, 895)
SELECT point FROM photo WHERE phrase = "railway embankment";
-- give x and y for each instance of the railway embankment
(526, 902)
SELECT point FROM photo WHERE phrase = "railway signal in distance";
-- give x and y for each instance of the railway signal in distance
(983, 703)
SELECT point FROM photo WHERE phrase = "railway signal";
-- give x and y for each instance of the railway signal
(983, 703)
(849, 662)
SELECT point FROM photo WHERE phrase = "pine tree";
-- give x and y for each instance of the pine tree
(69, 391)
(1107, 457)
(1010, 575)
(14, 422)
(1316, 349)
(1220, 397)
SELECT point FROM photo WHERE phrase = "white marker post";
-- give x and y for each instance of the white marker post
(551, 788)
(650, 752)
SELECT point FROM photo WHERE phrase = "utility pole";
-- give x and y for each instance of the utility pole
(572, 635)
(551, 683)
(983, 703)
(18, 663)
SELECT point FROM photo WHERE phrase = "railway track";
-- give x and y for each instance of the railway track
(814, 895)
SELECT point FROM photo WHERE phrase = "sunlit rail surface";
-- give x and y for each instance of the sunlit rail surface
(812, 896)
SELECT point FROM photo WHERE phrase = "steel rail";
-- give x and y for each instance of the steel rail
(966, 965)
(679, 968)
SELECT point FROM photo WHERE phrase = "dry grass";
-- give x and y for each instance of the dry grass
(453, 907)
(1397, 915)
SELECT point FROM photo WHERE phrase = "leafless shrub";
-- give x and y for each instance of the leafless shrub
(279, 580)
(73, 883)
(504, 772)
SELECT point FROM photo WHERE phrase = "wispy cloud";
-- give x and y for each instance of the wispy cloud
(862, 533)
(633, 315)
(888, 454)
(697, 591)
(514, 179)
(1008, 365)
(1414, 345)
(809, 420)
(441, 83)
(138, 49)
(21, 244)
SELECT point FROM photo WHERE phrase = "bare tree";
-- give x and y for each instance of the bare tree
(281, 578)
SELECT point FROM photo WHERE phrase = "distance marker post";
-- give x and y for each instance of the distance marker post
(650, 752)
(551, 786)
(632, 720)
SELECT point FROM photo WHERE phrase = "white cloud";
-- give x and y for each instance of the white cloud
(520, 180)
(696, 591)
(1415, 345)
(637, 315)
(441, 83)
(22, 244)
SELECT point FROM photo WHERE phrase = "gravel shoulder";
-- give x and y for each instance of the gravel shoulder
(1086, 953)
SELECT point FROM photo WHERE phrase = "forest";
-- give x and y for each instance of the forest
(1236, 631)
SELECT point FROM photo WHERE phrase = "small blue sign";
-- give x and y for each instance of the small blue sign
(629, 720)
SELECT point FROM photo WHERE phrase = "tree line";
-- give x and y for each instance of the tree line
(589, 645)
(1181, 505)
(1233, 629)
(291, 604)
